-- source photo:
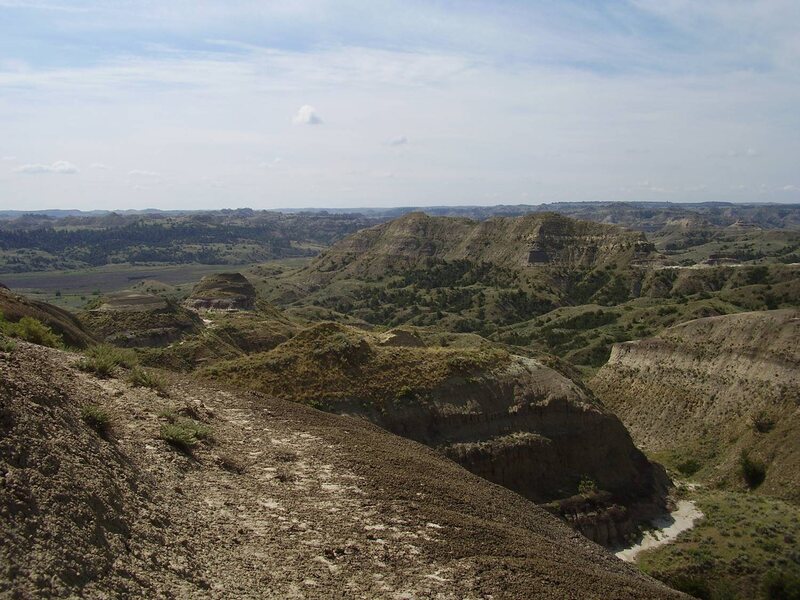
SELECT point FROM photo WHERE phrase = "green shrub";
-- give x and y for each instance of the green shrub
(148, 379)
(123, 357)
(587, 486)
(99, 366)
(754, 471)
(184, 434)
(693, 585)
(780, 585)
(96, 418)
(7, 345)
(102, 360)
(688, 467)
(31, 330)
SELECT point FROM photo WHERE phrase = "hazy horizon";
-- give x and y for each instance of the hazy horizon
(201, 106)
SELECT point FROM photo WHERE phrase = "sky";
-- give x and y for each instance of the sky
(180, 104)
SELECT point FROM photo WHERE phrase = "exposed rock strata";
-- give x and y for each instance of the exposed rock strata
(710, 388)
(223, 291)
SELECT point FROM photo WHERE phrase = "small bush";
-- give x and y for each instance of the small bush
(123, 357)
(587, 486)
(688, 467)
(102, 360)
(31, 330)
(7, 345)
(754, 471)
(99, 366)
(96, 418)
(183, 434)
(148, 379)
(763, 422)
(780, 585)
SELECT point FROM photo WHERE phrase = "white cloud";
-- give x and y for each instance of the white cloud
(61, 167)
(791, 188)
(142, 173)
(400, 140)
(307, 115)
(746, 153)
(271, 164)
(8, 158)
(99, 166)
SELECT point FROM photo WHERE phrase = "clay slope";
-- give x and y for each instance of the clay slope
(13, 307)
(507, 418)
(706, 390)
(512, 242)
(285, 502)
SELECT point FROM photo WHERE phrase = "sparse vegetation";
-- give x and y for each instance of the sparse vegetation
(753, 470)
(96, 418)
(744, 548)
(183, 433)
(31, 330)
(7, 345)
(102, 360)
(147, 378)
(763, 422)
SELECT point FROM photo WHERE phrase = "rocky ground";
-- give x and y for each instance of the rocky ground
(285, 502)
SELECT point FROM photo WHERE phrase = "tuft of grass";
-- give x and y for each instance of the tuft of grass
(96, 418)
(183, 434)
(763, 422)
(148, 379)
(102, 360)
(231, 464)
(754, 471)
(7, 345)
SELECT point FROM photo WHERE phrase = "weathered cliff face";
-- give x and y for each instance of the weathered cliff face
(222, 291)
(509, 419)
(707, 389)
(286, 502)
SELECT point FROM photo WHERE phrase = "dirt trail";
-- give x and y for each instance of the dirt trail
(287, 502)
(667, 529)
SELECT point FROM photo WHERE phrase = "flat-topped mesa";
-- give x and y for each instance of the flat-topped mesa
(131, 301)
(135, 319)
(222, 291)
(417, 240)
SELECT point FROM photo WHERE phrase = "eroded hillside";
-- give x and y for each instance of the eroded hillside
(702, 393)
(278, 500)
(508, 418)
